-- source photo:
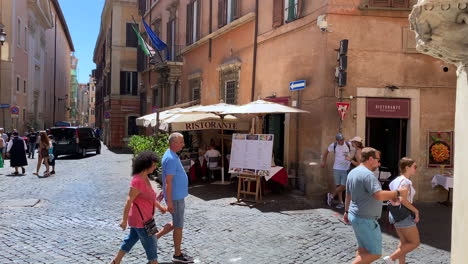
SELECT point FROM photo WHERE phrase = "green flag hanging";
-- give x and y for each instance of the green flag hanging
(144, 46)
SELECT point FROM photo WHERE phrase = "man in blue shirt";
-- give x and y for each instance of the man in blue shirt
(175, 188)
(363, 206)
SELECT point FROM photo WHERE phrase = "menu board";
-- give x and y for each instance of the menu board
(251, 154)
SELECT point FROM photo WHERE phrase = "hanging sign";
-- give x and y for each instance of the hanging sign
(342, 109)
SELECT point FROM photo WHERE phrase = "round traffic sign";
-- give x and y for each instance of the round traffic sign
(106, 115)
(14, 110)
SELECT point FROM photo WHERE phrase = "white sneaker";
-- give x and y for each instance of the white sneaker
(388, 260)
(329, 199)
(339, 206)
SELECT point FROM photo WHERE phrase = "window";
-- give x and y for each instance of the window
(17, 84)
(171, 52)
(389, 3)
(194, 87)
(18, 33)
(92, 111)
(157, 97)
(128, 83)
(132, 127)
(24, 86)
(228, 11)
(285, 11)
(230, 92)
(25, 39)
(131, 40)
(193, 21)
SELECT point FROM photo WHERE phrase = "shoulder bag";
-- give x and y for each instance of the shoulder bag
(399, 212)
(150, 225)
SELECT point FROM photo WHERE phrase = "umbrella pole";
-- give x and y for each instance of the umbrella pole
(222, 149)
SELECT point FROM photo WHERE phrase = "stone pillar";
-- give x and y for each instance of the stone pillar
(441, 27)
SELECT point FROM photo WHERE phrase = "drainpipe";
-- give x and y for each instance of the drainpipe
(55, 68)
(254, 70)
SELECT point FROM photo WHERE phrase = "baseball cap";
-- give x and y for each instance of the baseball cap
(356, 138)
(339, 136)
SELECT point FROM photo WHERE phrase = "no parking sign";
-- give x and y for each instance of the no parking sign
(14, 110)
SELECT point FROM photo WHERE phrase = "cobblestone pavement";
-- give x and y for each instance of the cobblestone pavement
(76, 221)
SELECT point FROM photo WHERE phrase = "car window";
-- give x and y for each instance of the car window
(83, 132)
(63, 133)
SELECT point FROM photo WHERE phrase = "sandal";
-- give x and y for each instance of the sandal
(46, 174)
(35, 173)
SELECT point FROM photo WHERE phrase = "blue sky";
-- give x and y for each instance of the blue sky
(83, 19)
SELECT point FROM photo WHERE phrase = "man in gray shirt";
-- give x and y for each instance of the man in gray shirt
(363, 206)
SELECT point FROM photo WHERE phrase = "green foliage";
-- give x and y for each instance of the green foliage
(139, 144)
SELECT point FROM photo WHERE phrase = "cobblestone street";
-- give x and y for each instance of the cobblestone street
(73, 217)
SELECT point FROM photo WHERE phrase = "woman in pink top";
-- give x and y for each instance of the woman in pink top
(139, 208)
(406, 229)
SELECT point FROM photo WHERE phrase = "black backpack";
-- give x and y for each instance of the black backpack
(336, 143)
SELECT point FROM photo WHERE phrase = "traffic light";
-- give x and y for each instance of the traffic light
(341, 74)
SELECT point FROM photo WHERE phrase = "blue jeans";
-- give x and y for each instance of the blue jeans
(32, 149)
(149, 243)
(368, 234)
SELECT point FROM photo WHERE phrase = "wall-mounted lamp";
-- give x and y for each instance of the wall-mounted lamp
(2, 35)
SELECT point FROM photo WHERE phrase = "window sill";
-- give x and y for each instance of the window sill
(367, 7)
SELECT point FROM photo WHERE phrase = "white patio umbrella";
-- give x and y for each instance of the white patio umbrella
(262, 108)
(217, 109)
(150, 119)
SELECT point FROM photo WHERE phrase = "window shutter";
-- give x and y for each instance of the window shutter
(278, 12)
(199, 12)
(236, 9)
(400, 3)
(300, 5)
(222, 15)
(142, 6)
(134, 83)
(381, 3)
(122, 82)
(189, 29)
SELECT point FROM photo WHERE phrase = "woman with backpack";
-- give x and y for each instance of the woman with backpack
(406, 227)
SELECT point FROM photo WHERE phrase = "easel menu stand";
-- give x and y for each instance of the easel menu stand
(244, 187)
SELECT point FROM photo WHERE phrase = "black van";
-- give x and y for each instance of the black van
(75, 140)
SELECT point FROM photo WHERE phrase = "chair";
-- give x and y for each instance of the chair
(213, 165)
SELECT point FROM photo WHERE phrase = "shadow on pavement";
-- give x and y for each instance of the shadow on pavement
(120, 150)
(207, 191)
(73, 157)
(435, 227)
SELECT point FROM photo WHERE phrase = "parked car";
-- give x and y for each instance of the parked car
(75, 140)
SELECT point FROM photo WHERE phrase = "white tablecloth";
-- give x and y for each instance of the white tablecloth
(442, 180)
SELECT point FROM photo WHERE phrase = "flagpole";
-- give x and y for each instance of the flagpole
(156, 49)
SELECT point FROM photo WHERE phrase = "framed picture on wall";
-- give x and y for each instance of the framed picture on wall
(440, 149)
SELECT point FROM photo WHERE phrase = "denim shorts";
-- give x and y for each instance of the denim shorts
(178, 215)
(368, 234)
(149, 243)
(340, 177)
(405, 223)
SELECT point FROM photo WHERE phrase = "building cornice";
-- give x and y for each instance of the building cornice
(227, 28)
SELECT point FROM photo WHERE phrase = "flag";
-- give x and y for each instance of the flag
(157, 42)
(144, 46)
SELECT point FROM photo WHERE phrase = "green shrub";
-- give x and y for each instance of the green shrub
(140, 144)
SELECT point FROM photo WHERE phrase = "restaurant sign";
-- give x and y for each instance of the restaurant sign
(388, 108)
(210, 124)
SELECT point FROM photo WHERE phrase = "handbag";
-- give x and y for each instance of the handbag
(51, 154)
(150, 225)
(399, 212)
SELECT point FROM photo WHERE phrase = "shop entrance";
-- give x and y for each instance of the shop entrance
(274, 124)
(388, 135)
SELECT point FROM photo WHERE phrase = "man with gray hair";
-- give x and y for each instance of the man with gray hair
(175, 188)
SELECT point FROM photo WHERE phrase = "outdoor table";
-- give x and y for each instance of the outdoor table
(278, 174)
(444, 181)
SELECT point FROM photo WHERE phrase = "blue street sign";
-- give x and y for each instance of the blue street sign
(4, 106)
(106, 115)
(297, 85)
